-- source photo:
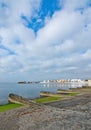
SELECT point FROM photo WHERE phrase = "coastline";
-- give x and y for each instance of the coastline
(73, 114)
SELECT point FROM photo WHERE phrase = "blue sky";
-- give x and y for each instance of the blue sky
(42, 39)
(47, 9)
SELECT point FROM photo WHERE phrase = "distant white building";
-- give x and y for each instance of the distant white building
(45, 81)
(76, 80)
(89, 82)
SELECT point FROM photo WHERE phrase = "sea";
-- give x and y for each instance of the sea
(31, 91)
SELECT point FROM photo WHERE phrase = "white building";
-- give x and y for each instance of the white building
(89, 82)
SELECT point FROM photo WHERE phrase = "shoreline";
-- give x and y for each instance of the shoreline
(64, 94)
(71, 114)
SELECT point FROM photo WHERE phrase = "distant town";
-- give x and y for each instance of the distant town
(87, 81)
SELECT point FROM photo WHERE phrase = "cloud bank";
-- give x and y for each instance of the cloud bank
(60, 48)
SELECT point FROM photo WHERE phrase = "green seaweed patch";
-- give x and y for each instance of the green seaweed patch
(9, 106)
(47, 99)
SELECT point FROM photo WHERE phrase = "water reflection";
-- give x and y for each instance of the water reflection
(64, 85)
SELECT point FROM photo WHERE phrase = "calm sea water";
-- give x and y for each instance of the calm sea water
(30, 90)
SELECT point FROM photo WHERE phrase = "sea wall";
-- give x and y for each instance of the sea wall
(13, 98)
(49, 94)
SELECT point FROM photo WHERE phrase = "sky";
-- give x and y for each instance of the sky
(45, 39)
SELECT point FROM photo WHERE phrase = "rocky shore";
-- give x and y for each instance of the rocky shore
(69, 114)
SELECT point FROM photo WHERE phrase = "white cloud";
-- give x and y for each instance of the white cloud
(62, 45)
(63, 25)
(3, 52)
